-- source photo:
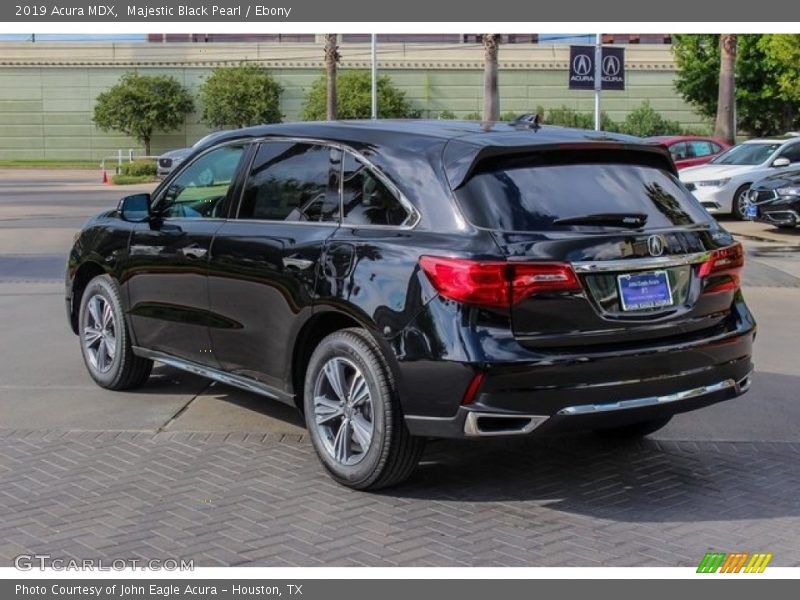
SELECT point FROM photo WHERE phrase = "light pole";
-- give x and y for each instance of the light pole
(598, 78)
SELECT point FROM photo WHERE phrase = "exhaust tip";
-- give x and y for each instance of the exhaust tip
(744, 384)
(489, 424)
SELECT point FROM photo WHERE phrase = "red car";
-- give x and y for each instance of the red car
(690, 150)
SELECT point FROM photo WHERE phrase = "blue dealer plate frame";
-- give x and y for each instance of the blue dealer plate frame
(643, 291)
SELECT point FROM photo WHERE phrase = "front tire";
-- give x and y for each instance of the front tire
(740, 202)
(634, 430)
(353, 414)
(105, 341)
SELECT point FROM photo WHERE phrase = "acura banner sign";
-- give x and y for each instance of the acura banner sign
(581, 68)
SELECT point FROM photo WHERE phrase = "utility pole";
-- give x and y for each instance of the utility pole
(374, 76)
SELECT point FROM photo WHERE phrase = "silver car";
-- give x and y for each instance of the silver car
(169, 160)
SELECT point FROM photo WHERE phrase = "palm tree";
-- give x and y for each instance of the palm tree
(331, 60)
(491, 101)
(724, 126)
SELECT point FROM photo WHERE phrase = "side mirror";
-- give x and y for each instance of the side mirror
(135, 208)
(781, 162)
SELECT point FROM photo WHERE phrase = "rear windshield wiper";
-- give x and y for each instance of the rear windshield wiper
(632, 220)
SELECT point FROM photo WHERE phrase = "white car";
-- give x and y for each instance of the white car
(721, 185)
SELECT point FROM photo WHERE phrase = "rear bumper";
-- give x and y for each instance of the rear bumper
(477, 421)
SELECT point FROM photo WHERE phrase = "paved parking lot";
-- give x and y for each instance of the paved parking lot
(188, 469)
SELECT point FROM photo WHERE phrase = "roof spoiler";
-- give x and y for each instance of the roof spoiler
(461, 159)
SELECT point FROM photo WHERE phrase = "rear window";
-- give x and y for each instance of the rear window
(530, 198)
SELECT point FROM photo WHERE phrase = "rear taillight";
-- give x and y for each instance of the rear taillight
(496, 283)
(723, 270)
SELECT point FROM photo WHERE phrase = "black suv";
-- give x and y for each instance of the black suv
(402, 280)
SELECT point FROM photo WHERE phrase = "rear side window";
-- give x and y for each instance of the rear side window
(700, 148)
(366, 200)
(532, 198)
(678, 151)
(290, 182)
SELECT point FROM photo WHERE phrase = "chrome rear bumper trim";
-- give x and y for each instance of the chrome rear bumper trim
(740, 387)
(636, 264)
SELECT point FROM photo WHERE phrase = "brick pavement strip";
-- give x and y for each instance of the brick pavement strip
(263, 500)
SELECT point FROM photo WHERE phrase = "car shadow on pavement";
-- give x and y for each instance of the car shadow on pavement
(641, 481)
(636, 481)
(217, 407)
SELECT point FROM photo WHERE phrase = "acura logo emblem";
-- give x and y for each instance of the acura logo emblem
(611, 66)
(582, 64)
(655, 245)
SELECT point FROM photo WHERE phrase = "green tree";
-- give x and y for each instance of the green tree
(763, 106)
(564, 116)
(240, 96)
(644, 121)
(782, 54)
(140, 104)
(353, 98)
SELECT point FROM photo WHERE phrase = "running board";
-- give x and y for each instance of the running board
(238, 381)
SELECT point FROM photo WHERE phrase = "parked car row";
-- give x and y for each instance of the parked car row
(723, 185)
(758, 179)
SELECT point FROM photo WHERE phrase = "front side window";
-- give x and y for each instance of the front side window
(366, 200)
(200, 190)
(290, 182)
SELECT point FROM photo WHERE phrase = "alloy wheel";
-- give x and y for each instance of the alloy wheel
(343, 411)
(99, 334)
(742, 202)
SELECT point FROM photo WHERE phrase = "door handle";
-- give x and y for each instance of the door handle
(301, 264)
(194, 252)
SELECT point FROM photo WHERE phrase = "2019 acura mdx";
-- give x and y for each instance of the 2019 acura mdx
(404, 280)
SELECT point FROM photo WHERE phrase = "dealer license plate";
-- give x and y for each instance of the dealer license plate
(638, 291)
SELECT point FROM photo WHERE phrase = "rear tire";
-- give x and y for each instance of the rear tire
(634, 430)
(739, 204)
(353, 414)
(104, 338)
